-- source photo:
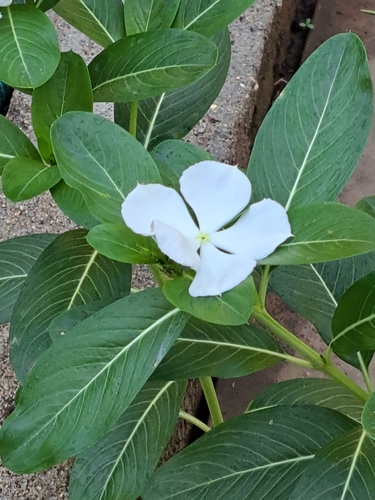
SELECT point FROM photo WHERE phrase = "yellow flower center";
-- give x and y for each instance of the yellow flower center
(203, 238)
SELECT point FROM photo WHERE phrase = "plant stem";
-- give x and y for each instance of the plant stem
(318, 362)
(366, 376)
(193, 420)
(133, 118)
(264, 284)
(158, 274)
(212, 401)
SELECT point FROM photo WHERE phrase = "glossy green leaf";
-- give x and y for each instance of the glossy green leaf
(173, 157)
(305, 150)
(124, 460)
(368, 416)
(367, 205)
(58, 96)
(205, 349)
(309, 391)
(148, 64)
(118, 242)
(67, 274)
(100, 20)
(314, 290)
(341, 470)
(80, 387)
(209, 16)
(101, 160)
(29, 49)
(65, 321)
(17, 256)
(256, 455)
(45, 5)
(324, 232)
(72, 203)
(24, 178)
(149, 15)
(13, 143)
(353, 323)
(231, 308)
(173, 114)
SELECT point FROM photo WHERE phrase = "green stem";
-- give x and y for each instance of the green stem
(133, 118)
(318, 362)
(193, 420)
(328, 354)
(212, 401)
(366, 376)
(264, 284)
(158, 274)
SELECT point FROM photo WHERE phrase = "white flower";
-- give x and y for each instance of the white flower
(5, 3)
(217, 193)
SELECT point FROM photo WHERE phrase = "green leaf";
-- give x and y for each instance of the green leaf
(368, 416)
(58, 96)
(29, 50)
(118, 242)
(67, 274)
(68, 319)
(256, 455)
(209, 16)
(101, 160)
(323, 232)
(147, 64)
(17, 256)
(13, 143)
(149, 15)
(353, 323)
(124, 460)
(173, 114)
(173, 157)
(231, 308)
(367, 205)
(100, 20)
(24, 178)
(309, 391)
(71, 202)
(45, 5)
(81, 386)
(205, 349)
(314, 290)
(341, 470)
(305, 150)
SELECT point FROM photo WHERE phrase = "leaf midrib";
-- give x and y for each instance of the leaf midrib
(17, 43)
(201, 14)
(246, 471)
(353, 326)
(151, 404)
(149, 70)
(238, 347)
(306, 159)
(97, 21)
(353, 464)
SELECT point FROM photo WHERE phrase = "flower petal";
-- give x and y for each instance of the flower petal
(153, 201)
(178, 247)
(257, 233)
(216, 192)
(219, 272)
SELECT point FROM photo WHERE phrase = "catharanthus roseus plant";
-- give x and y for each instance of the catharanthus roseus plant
(103, 367)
